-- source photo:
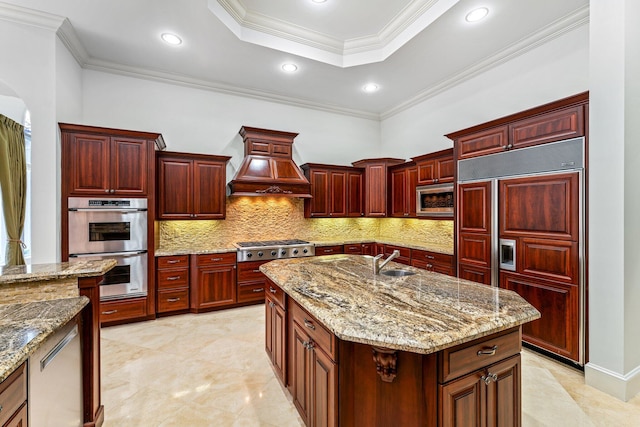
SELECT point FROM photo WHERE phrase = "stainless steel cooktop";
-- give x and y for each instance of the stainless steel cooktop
(274, 249)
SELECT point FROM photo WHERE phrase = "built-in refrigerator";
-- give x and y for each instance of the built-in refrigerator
(520, 226)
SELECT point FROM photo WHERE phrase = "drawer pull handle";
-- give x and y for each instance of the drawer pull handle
(273, 291)
(173, 261)
(309, 325)
(488, 352)
(257, 290)
(216, 259)
(110, 312)
(173, 299)
(489, 377)
(173, 278)
(430, 256)
(256, 271)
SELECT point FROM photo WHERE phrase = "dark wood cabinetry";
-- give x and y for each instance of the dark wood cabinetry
(375, 184)
(432, 261)
(122, 311)
(435, 168)
(172, 278)
(213, 281)
(402, 186)
(405, 253)
(336, 191)
(13, 398)
(276, 329)
(329, 250)
(474, 232)
(191, 186)
(251, 282)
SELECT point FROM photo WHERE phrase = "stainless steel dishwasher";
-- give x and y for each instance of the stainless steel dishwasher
(55, 380)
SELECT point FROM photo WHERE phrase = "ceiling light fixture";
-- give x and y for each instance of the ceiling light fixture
(289, 67)
(172, 39)
(318, 1)
(477, 14)
(370, 87)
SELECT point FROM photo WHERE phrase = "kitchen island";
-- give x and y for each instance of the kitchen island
(355, 348)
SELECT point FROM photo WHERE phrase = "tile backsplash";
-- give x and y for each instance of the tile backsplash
(269, 218)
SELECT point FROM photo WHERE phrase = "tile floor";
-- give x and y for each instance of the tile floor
(211, 370)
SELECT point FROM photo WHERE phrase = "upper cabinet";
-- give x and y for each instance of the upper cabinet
(559, 120)
(435, 168)
(191, 186)
(375, 184)
(402, 190)
(99, 161)
(336, 191)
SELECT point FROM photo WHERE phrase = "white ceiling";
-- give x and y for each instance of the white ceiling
(122, 36)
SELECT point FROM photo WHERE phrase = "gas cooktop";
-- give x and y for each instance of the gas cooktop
(273, 249)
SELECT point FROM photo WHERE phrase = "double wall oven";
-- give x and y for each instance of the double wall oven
(112, 228)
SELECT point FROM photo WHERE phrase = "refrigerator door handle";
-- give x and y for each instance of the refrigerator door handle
(507, 254)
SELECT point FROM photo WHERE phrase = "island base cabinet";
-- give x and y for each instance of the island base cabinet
(488, 397)
(275, 333)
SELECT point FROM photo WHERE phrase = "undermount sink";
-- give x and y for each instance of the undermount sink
(397, 273)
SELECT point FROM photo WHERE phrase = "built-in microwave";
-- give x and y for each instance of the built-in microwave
(435, 200)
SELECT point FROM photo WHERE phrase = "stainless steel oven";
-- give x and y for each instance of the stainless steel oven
(112, 228)
(435, 200)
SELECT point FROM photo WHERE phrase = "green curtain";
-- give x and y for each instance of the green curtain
(13, 183)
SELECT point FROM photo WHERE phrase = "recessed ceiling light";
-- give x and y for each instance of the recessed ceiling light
(476, 14)
(172, 39)
(318, 1)
(370, 87)
(289, 67)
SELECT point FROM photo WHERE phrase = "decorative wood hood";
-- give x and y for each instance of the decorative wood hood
(268, 168)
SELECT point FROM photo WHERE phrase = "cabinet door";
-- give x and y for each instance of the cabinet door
(324, 380)
(19, 418)
(549, 127)
(300, 371)
(474, 273)
(376, 193)
(338, 194)
(474, 249)
(318, 205)
(426, 172)
(410, 191)
(129, 166)
(503, 394)
(354, 194)
(214, 287)
(474, 207)
(208, 199)
(463, 402)
(279, 340)
(398, 189)
(445, 168)
(485, 142)
(89, 156)
(175, 188)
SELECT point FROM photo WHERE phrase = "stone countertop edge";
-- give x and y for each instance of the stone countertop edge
(62, 270)
(337, 290)
(24, 327)
(432, 247)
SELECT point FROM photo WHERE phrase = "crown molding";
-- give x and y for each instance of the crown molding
(32, 17)
(277, 34)
(67, 34)
(186, 81)
(552, 31)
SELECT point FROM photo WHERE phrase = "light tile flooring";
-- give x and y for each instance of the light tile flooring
(211, 370)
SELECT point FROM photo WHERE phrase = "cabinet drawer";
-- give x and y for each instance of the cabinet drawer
(177, 278)
(468, 357)
(250, 271)
(13, 393)
(275, 293)
(177, 299)
(173, 261)
(227, 258)
(436, 267)
(329, 250)
(353, 249)
(324, 339)
(431, 256)
(253, 291)
(111, 311)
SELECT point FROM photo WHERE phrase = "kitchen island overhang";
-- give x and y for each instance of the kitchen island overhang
(422, 349)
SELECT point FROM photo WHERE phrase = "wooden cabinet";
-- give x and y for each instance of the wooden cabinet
(402, 185)
(474, 232)
(191, 186)
(121, 311)
(314, 372)
(276, 329)
(336, 191)
(432, 261)
(251, 282)
(405, 254)
(213, 281)
(482, 143)
(329, 250)
(13, 398)
(375, 184)
(172, 278)
(435, 168)
(548, 127)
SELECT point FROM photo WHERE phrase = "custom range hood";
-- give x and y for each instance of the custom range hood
(268, 168)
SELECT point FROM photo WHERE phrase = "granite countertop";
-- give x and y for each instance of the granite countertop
(229, 247)
(422, 313)
(62, 270)
(24, 327)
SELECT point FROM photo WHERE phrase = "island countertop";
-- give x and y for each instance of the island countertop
(61, 270)
(421, 313)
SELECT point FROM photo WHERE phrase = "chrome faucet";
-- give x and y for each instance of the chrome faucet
(377, 266)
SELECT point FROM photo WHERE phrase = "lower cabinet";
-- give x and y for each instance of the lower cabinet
(329, 250)
(172, 279)
(405, 254)
(213, 281)
(276, 329)
(121, 311)
(13, 399)
(432, 261)
(251, 282)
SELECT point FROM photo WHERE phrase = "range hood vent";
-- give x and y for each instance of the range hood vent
(268, 168)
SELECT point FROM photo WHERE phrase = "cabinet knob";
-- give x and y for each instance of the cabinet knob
(435, 180)
(489, 377)
(309, 324)
(273, 291)
(330, 213)
(113, 191)
(106, 191)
